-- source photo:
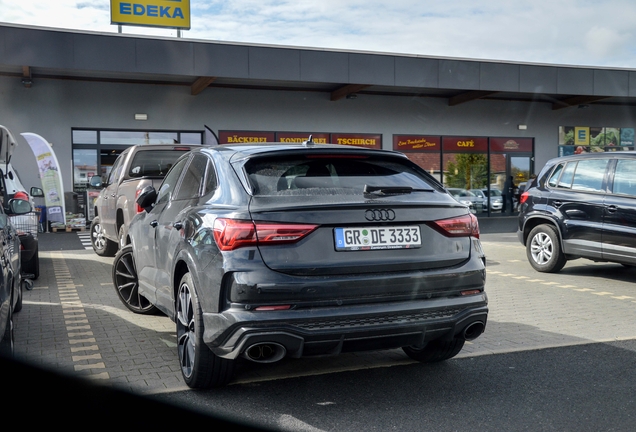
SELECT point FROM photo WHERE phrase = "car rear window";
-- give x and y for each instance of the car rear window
(332, 175)
(154, 163)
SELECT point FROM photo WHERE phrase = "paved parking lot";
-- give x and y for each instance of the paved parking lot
(73, 322)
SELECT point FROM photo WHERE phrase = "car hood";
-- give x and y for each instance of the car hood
(7, 144)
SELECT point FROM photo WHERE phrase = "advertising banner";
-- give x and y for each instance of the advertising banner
(50, 175)
(151, 13)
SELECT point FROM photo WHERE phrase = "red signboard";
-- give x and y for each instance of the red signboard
(465, 144)
(511, 145)
(361, 140)
(416, 143)
(299, 137)
(240, 137)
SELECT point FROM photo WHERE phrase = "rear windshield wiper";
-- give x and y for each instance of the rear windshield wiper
(392, 190)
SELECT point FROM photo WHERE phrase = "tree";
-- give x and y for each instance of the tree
(467, 171)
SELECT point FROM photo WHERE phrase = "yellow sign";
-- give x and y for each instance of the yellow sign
(581, 136)
(152, 13)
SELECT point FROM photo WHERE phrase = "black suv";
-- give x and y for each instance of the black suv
(581, 206)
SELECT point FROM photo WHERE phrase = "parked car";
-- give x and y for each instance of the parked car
(492, 198)
(477, 204)
(274, 250)
(136, 167)
(26, 224)
(10, 273)
(581, 206)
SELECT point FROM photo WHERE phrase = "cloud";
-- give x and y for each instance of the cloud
(605, 42)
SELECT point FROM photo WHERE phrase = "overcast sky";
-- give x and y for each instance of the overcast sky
(575, 32)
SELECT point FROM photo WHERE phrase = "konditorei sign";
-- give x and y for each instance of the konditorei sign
(151, 13)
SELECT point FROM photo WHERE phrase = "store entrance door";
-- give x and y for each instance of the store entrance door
(519, 167)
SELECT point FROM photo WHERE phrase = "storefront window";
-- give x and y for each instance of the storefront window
(135, 137)
(84, 137)
(465, 162)
(84, 167)
(422, 150)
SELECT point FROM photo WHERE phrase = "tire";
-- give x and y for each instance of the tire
(101, 245)
(7, 343)
(543, 249)
(436, 350)
(32, 266)
(127, 284)
(200, 367)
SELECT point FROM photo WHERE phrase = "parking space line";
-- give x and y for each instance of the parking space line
(558, 285)
(74, 313)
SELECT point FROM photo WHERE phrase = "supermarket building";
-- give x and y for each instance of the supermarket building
(469, 122)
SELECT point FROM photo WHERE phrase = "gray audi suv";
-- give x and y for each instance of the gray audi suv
(288, 250)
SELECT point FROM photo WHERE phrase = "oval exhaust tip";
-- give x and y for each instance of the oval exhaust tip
(265, 352)
(474, 330)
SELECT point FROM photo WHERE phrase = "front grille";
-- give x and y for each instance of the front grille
(346, 322)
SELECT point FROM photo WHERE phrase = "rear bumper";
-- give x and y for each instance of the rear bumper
(332, 330)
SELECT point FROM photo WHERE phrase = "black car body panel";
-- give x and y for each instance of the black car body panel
(593, 211)
(415, 279)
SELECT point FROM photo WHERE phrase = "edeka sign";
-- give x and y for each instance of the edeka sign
(151, 13)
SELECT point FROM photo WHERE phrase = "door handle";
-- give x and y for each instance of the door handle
(612, 208)
(154, 224)
(178, 225)
(557, 204)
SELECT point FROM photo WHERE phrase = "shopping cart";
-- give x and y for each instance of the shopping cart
(27, 223)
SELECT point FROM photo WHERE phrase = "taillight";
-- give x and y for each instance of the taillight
(231, 234)
(138, 208)
(462, 226)
(524, 197)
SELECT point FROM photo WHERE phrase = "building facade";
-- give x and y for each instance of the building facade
(471, 123)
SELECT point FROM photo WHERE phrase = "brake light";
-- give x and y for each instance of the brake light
(462, 226)
(138, 208)
(231, 234)
(524, 197)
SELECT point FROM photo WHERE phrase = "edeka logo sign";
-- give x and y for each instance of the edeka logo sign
(152, 13)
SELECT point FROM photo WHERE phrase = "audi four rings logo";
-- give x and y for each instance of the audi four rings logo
(379, 215)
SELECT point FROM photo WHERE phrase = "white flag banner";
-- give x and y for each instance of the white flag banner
(50, 176)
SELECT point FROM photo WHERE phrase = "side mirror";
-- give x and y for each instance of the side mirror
(36, 192)
(95, 182)
(19, 207)
(146, 199)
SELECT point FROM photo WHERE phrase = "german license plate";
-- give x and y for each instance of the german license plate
(377, 238)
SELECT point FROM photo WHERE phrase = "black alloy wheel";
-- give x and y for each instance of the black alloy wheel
(127, 284)
(200, 367)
